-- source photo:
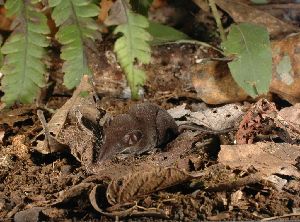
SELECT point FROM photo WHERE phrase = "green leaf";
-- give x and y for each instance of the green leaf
(252, 66)
(87, 11)
(162, 33)
(13, 7)
(23, 69)
(53, 3)
(133, 47)
(76, 29)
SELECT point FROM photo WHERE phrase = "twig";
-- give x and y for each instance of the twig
(216, 15)
(232, 185)
(42, 119)
(282, 216)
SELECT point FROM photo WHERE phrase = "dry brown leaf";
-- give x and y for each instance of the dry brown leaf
(215, 85)
(76, 191)
(263, 121)
(117, 14)
(56, 124)
(144, 182)
(286, 68)
(241, 12)
(256, 121)
(20, 114)
(5, 22)
(105, 6)
(19, 148)
(267, 158)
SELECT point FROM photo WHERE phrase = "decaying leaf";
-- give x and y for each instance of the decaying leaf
(263, 119)
(215, 85)
(254, 123)
(19, 148)
(57, 122)
(286, 66)
(291, 114)
(220, 118)
(143, 182)
(76, 195)
(179, 111)
(11, 117)
(117, 14)
(266, 158)
(122, 210)
(241, 12)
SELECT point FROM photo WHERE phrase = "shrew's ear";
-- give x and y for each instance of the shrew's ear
(132, 138)
(107, 122)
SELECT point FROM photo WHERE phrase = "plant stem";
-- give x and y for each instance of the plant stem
(216, 15)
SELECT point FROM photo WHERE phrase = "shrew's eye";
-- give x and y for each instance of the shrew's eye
(132, 138)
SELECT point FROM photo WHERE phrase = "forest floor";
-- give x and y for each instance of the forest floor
(240, 160)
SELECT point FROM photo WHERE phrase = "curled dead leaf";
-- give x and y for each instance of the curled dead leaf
(144, 182)
(122, 210)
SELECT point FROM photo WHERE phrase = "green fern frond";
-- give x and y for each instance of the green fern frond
(23, 69)
(133, 47)
(76, 28)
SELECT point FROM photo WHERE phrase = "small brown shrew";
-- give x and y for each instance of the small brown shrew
(144, 127)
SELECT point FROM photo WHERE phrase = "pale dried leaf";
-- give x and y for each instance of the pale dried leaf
(2, 133)
(236, 197)
(267, 158)
(220, 118)
(278, 182)
(179, 111)
(291, 114)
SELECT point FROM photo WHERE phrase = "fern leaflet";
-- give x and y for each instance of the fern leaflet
(76, 29)
(133, 47)
(23, 69)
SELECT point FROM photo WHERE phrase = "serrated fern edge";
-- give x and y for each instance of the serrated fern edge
(76, 27)
(23, 69)
(133, 47)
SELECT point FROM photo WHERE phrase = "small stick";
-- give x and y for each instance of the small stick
(41, 117)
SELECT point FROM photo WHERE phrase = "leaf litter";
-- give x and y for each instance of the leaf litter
(200, 175)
